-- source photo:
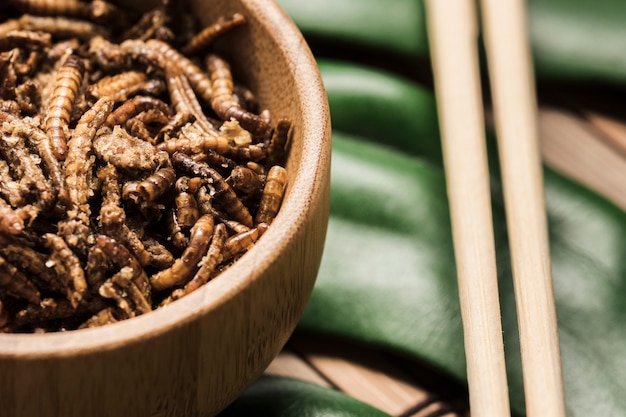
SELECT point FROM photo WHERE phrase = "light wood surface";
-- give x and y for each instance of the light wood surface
(196, 355)
(515, 109)
(453, 34)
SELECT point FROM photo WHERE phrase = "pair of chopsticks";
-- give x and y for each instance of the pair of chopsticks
(453, 33)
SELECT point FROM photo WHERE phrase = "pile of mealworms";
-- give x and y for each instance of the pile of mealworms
(133, 167)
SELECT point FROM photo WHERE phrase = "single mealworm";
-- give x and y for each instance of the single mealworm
(68, 79)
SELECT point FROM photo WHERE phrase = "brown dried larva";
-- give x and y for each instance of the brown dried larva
(118, 87)
(133, 107)
(150, 189)
(224, 194)
(25, 39)
(184, 99)
(121, 257)
(272, 197)
(184, 267)
(61, 251)
(242, 242)
(10, 221)
(68, 79)
(207, 265)
(223, 100)
(208, 35)
(245, 181)
(78, 162)
(31, 262)
(16, 283)
(62, 27)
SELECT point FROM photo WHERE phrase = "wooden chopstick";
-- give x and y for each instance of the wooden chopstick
(453, 35)
(515, 110)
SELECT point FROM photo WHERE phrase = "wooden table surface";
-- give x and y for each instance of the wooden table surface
(583, 136)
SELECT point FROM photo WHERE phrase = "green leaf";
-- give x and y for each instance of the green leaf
(283, 397)
(388, 279)
(571, 39)
(394, 25)
(383, 107)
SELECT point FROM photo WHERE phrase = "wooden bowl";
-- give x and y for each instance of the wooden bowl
(193, 357)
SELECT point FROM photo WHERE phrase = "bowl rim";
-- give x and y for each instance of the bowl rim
(316, 127)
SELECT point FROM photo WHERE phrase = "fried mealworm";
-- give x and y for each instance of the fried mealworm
(10, 221)
(131, 272)
(133, 107)
(172, 128)
(150, 25)
(75, 229)
(28, 96)
(118, 87)
(272, 196)
(223, 101)
(198, 79)
(187, 211)
(137, 128)
(68, 80)
(30, 261)
(41, 142)
(112, 216)
(62, 27)
(107, 55)
(9, 26)
(203, 40)
(16, 283)
(96, 268)
(224, 194)
(221, 163)
(192, 140)
(150, 189)
(78, 162)
(159, 53)
(208, 265)
(119, 255)
(13, 191)
(184, 99)
(50, 309)
(27, 39)
(52, 7)
(129, 154)
(125, 281)
(245, 181)
(277, 148)
(175, 234)
(231, 224)
(160, 256)
(146, 125)
(61, 251)
(102, 317)
(96, 10)
(11, 107)
(242, 242)
(205, 199)
(184, 267)
(19, 158)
